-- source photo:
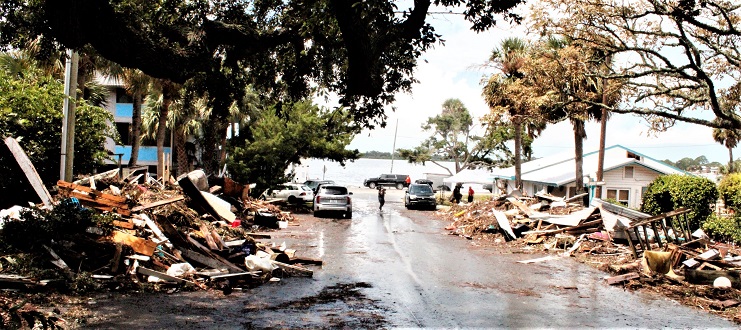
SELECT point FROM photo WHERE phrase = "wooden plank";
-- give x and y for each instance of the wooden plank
(100, 176)
(198, 201)
(232, 267)
(206, 233)
(158, 203)
(530, 261)
(218, 240)
(291, 268)
(621, 278)
(306, 261)
(202, 259)
(116, 261)
(138, 244)
(213, 277)
(155, 229)
(123, 224)
(98, 194)
(29, 170)
(160, 275)
(520, 205)
(706, 277)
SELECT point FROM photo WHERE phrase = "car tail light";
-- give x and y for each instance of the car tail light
(349, 201)
(318, 199)
(302, 194)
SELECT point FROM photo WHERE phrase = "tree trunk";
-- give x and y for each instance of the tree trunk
(168, 93)
(601, 157)
(518, 153)
(182, 155)
(579, 135)
(730, 160)
(136, 128)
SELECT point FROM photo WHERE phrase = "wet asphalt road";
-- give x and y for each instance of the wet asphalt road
(406, 272)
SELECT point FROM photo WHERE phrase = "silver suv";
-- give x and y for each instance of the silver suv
(333, 198)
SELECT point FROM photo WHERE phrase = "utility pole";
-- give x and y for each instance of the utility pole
(68, 122)
(393, 148)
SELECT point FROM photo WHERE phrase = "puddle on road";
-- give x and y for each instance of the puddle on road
(341, 305)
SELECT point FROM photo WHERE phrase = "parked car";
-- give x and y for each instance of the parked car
(424, 181)
(420, 194)
(313, 184)
(293, 193)
(394, 180)
(333, 198)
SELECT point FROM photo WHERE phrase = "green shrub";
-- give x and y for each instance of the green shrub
(730, 191)
(723, 228)
(38, 227)
(670, 192)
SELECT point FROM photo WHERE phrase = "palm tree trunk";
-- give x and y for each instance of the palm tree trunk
(601, 156)
(167, 97)
(730, 160)
(518, 154)
(182, 155)
(579, 135)
(136, 129)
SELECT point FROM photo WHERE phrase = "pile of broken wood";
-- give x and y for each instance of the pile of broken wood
(634, 245)
(533, 219)
(191, 233)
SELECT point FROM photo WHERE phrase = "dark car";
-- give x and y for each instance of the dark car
(424, 181)
(421, 195)
(394, 180)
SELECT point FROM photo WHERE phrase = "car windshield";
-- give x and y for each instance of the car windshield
(420, 189)
(305, 188)
(334, 190)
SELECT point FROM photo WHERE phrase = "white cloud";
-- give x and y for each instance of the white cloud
(454, 71)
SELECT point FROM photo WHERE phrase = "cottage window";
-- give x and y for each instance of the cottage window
(628, 172)
(620, 195)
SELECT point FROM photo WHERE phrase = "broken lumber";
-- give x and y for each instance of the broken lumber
(158, 203)
(291, 268)
(29, 170)
(707, 277)
(621, 278)
(162, 276)
(504, 223)
(520, 205)
(138, 244)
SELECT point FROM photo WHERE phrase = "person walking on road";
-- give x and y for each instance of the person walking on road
(381, 197)
(470, 194)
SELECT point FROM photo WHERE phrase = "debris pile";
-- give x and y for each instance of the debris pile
(637, 248)
(189, 234)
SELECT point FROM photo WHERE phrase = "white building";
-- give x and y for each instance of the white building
(627, 173)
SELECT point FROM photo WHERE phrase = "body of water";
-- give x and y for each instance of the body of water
(354, 173)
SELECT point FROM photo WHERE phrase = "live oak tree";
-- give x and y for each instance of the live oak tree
(676, 57)
(363, 51)
(452, 138)
(282, 134)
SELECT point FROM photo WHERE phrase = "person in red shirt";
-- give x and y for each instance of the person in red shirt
(408, 180)
(470, 194)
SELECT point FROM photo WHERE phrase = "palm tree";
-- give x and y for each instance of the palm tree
(498, 92)
(729, 138)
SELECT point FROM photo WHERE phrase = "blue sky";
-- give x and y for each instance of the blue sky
(456, 71)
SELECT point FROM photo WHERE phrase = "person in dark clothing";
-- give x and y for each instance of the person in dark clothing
(381, 197)
(457, 194)
(470, 194)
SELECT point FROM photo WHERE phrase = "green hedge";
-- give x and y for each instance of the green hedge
(723, 228)
(670, 192)
(730, 191)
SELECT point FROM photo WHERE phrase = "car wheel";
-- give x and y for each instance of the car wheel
(317, 213)
(348, 215)
(372, 185)
(400, 186)
(292, 199)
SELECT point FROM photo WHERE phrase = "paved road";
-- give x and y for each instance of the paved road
(397, 268)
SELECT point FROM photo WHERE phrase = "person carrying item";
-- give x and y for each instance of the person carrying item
(470, 194)
(457, 193)
(381, 197)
